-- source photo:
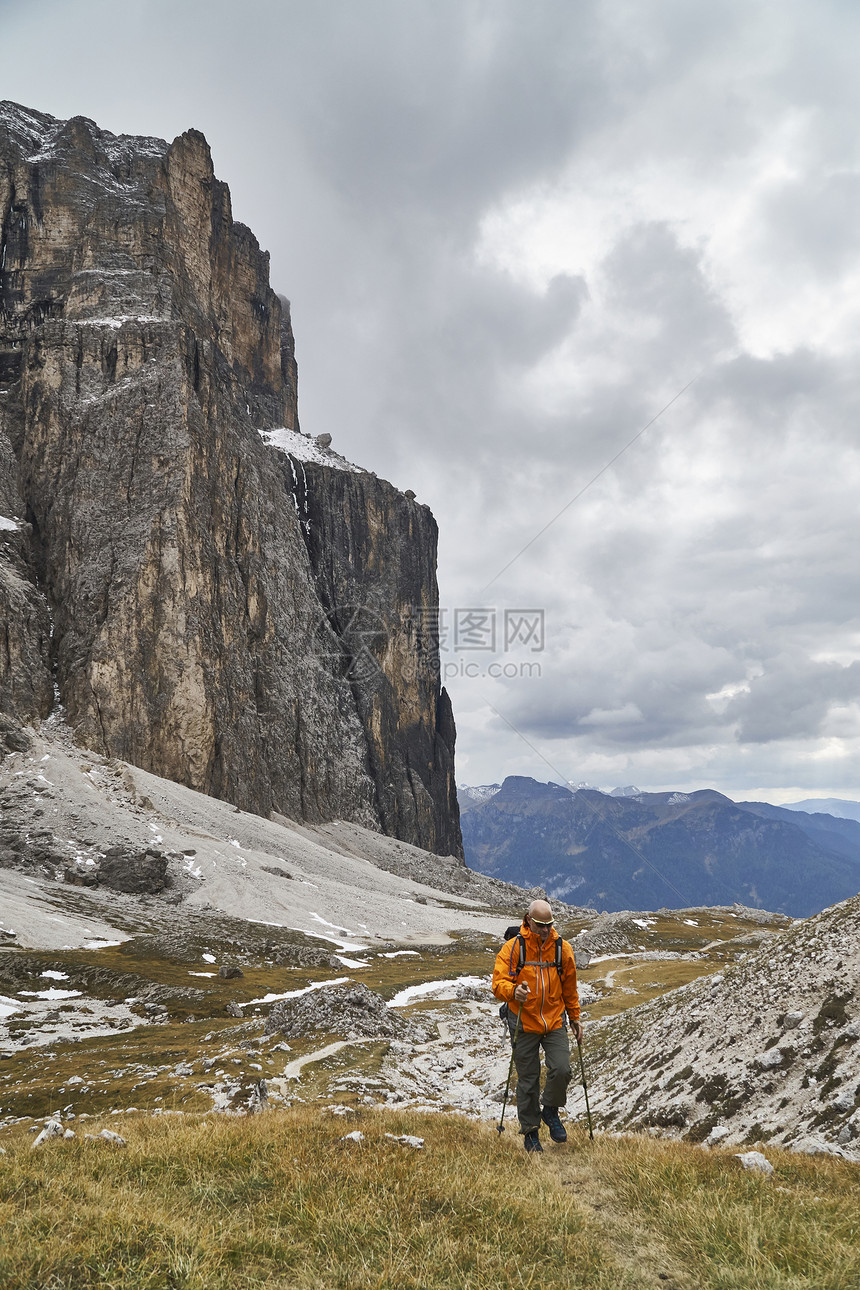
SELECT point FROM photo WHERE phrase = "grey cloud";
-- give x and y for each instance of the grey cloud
(599, 691)
(442, 105)
(507, 324)
(770, 389)
(656, 279)
(814, 224)
(793, 699)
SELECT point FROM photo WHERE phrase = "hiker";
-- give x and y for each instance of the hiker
(538, 989)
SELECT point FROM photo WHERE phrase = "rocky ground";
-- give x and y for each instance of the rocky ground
(139, 921)
(765, 1051)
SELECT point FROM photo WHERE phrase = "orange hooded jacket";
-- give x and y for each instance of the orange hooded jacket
(551, 993)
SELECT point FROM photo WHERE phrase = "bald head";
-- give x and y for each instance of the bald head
(540, 920)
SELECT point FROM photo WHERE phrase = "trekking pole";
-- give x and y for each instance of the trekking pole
(584, 1087)
(500, 1127)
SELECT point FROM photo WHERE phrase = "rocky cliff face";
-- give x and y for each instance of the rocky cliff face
(372, 550)
(160, 563)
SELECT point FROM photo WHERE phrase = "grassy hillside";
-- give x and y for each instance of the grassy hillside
(276, 1200)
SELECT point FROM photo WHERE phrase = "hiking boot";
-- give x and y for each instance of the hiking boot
(531, 1142)
(557, 1132)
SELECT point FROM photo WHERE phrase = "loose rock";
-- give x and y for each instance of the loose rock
(755, 1161)
(107, 1136)
(134, 872)
(53, 1129)
(350, 1010)
(406, 1140)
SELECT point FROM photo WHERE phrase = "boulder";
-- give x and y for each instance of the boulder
(53, 1129)
(137, 873)
(106, 1135)
(755, 1162)
(716, 1136)
(13, 738)
(406, 1140)
(77, 876)
(351, 1010)
(259, 1099)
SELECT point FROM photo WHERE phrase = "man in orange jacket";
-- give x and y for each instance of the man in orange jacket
(539, 994)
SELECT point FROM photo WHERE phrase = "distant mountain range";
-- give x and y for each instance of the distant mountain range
(838, 806)
(652, 850)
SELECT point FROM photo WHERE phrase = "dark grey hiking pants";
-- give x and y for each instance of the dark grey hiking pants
(556, 1049)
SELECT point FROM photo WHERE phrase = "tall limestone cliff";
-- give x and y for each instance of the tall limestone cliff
(211, 596)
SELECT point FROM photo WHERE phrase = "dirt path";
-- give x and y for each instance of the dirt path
(638, 1251)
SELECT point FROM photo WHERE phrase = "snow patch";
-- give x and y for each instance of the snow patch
(294, 994)
(441, 989)
(303, 448)
(51, 994)
(118, 321)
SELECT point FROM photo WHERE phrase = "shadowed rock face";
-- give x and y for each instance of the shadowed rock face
(158, 570)
(372, 550)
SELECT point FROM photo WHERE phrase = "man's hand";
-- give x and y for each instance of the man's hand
(577, 1028)
(521, 993)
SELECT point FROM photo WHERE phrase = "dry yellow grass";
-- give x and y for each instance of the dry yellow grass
(277, 1200)
(724, 1228)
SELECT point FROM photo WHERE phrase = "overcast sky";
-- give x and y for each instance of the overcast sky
(512, 233)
